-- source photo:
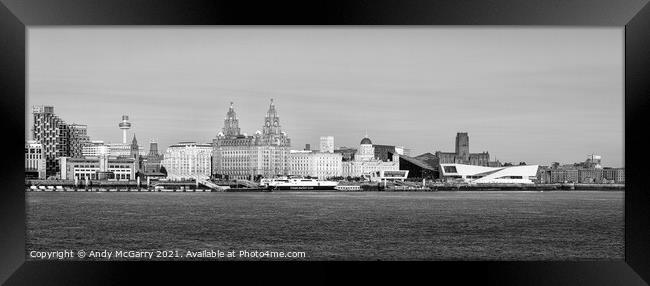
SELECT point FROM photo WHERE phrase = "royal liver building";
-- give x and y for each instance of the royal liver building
(239, 156)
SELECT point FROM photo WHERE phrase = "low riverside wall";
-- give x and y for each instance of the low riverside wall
(495, 187)
(131, 186)
(111, 186)
(111, 190)
(70, 183)
(125, 186)
(529, 187)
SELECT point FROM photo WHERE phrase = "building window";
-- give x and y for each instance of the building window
(450, 169)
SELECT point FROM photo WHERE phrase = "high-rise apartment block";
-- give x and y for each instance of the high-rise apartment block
(58, 138)
(78, 139)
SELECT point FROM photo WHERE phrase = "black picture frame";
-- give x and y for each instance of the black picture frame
(17, 15)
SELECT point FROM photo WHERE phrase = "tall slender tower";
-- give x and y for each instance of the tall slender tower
(134, 148)
(125, 125)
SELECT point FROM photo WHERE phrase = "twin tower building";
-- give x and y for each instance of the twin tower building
(242, 156)
(267, 154)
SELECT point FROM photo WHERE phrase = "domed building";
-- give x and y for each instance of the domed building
(365, 164)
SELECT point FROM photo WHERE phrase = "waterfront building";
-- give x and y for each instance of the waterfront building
(494, 163)
(587, 172)
(327, 144)
(523, 174)
(123, 150)
(78, 139)
(299, 162)
(321, 165)
(239, 156)
(417, 168)
(119, 149)
(98, 168)
(582, 175)
(572, 176)
(614, 175)
(593, 161)
(387, 152)
(188, 160)
(564, 176)
(384, 152)
(590, 175)
(34, 160)
(52, 133)
(429, 159)
(153, 160)
(347, 154)
(403, 151)
(385, 176)
(620, 176)
(462, 154)
(544, 175)
(95, 148)
(365, 164)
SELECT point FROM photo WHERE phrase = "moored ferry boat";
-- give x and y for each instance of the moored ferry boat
(297, 184)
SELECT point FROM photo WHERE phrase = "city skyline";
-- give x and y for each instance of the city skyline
(397, 97)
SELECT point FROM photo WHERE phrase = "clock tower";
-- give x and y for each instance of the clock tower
(231, 123)
(271, 122)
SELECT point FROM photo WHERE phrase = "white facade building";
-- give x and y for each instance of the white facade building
(91, 168)
(327, 144)
(123, 150)
(403, 151)
(315, 164)
(524, 174)
(383, 176)
(35, 159)
(365, 164)
(188, 160)
(95, 148)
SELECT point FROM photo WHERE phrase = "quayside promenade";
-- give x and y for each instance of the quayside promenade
(239, 186)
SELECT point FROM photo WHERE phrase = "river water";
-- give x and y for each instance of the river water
(560, 225)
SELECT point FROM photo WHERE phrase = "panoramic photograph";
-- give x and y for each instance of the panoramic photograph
(311, 144)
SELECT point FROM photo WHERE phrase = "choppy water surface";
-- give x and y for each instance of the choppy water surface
(338, 226)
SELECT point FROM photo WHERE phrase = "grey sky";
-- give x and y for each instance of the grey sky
(523, 94)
